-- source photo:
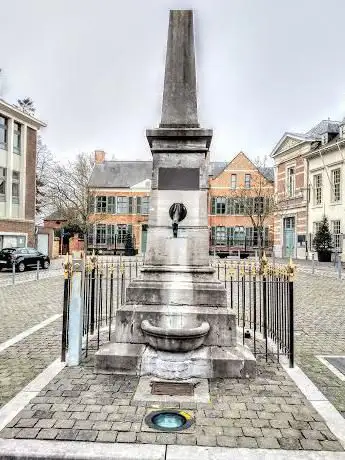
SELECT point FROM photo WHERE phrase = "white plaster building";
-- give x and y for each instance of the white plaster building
(18, 138)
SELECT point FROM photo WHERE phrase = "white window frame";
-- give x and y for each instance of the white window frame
(291, 181)
(317, 189)
(334, 184)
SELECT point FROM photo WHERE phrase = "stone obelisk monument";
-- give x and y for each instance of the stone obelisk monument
(175, 323)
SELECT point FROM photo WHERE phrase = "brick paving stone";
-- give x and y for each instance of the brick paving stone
(210, 441)
(259, 423)
(289, 443)
(45, 423)
(97, 416)
(121, 426)
(64, 424)
(252, 432)
(313, 434)
(331, 445)
(310, 444)
(106, 436)
(267, 443)
(186, 439)
(47, 433)
(232, 431)
(290, 433)
(67, 435)
(243, 423)
(27, 433)
(271, 432)
(226, 441)
(126, 436)
(146, 438)
(279, 423)
(87, 435)
(101, 425)
(26, 422)
(84, 424)
(166, 438)
(9, 433)
(247, 442)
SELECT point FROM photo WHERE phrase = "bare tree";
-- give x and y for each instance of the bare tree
(69, 192)
(44, 172)
(27, 105)
(257, 200)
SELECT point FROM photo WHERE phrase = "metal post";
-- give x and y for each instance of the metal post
(291, 325)
(239, 254)
(264, 304)
(67, 274)
(13, 272)
(38, 270)
(75, 323)
(339, 266)
(312, 264)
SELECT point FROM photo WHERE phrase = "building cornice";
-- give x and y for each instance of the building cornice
(317, 152)
(14, 112)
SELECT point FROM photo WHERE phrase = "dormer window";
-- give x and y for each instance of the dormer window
(324, 138)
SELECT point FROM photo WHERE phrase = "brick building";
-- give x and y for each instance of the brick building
(295, 184)
(18, 137)
(230, 216)
(121, 191)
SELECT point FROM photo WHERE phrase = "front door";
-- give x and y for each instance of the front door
(143, 237)
(289, 237)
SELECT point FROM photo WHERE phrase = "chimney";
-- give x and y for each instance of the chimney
(99, 156)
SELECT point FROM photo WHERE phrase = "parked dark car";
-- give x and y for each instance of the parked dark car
(22, 258)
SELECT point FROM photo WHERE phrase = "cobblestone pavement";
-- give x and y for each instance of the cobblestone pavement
(22, 362)
(22, 307)
(320, 330)
(268, 412)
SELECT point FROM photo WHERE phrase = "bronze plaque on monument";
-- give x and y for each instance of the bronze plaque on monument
(172, 389)
(178, 178)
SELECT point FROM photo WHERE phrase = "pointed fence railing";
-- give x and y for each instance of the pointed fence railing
(261, 295)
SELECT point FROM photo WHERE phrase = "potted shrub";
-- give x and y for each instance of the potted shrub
(323, 242)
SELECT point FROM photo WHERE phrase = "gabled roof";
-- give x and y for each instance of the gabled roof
(120, 174)
(267, 171)
(314, 134)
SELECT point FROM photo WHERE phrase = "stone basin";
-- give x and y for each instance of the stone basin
(180, 339)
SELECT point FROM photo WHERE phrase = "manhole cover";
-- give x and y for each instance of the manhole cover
(169, 420)
(172, 389)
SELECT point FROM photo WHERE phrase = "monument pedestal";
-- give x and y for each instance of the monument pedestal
(205, 362)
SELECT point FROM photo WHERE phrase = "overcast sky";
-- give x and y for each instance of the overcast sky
(95, 69)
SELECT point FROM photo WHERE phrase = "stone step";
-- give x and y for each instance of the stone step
(206, 362)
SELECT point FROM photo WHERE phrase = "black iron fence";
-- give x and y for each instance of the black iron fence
(261, 295)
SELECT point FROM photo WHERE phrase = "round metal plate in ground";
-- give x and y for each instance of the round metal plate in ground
(169, 420)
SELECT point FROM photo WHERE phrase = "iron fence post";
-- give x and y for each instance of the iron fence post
(291, 325)
(13, 273)
(75, 323)
(67, 274)
(92, 299)
(38, 270)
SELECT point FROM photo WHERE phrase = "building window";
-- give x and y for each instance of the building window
(233, 181)
(121, 233)
(318, 189)
(247, 181)
(123, 205)
(3, 132)
(2, 184)
(336, 185)
(335, 225)
(101, 204)
(145, 204)
(324, 138)
(220, 205)
(101, 234)
(111, 205)
(17, 137)
(290, 185)
(15, 186)
(316, 227)
(220, 236)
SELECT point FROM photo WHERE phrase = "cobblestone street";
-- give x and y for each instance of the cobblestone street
(22, 307)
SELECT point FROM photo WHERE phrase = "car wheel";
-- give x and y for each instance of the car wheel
(21, 267)
(46, 264)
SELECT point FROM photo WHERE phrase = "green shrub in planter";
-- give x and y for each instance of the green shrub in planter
(323, 242)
